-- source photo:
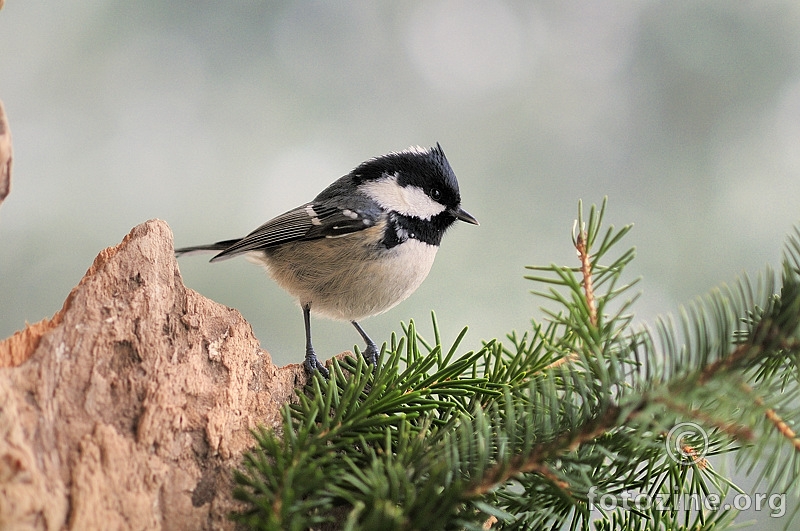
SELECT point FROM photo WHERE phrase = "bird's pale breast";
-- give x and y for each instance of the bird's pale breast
(342, 278)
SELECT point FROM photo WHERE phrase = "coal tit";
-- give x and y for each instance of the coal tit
(363, 245)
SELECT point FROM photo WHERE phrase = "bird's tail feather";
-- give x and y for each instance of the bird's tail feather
(218, 246)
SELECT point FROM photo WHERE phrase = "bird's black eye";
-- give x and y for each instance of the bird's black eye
(435, 194)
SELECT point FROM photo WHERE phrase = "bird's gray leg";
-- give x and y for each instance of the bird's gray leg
(371, 353)
(312, 363)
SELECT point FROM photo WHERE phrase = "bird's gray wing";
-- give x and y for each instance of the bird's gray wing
(307, 222)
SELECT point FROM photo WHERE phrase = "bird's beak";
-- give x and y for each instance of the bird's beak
(463, 215)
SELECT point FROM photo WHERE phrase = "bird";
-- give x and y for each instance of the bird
(361, 246)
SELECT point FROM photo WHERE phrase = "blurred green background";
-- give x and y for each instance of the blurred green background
(216, 116)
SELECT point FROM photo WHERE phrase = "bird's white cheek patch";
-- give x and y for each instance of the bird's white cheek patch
(420, 204)
(407, 200)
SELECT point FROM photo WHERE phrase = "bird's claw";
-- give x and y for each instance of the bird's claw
(312, 364)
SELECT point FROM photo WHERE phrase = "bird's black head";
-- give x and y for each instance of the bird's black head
(416, 183)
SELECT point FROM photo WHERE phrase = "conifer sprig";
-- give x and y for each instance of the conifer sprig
(530, 433)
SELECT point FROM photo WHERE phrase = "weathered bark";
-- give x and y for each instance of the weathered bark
(128, 409)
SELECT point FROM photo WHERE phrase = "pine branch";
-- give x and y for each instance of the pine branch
(526, 434)
(586, 271)
(536, 460)
(772, 416)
